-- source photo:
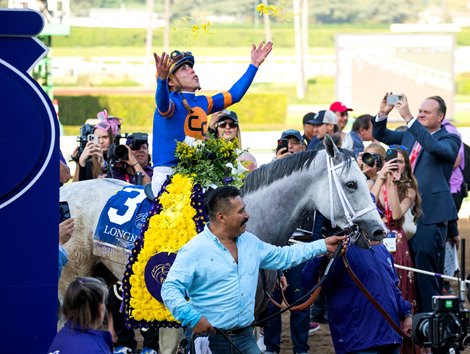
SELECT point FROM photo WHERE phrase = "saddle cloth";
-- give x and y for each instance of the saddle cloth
(120, 223)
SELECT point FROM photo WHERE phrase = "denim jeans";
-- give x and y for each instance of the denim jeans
(384, 349)
(299, 320)
(245, 343)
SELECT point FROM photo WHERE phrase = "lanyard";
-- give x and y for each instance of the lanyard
(388, 211)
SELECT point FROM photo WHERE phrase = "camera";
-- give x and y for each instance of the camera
(392, 99)
(370, 158)
(118, 152)
(82, 139)
(444, 329)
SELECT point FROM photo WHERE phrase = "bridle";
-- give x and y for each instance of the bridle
(349, 212)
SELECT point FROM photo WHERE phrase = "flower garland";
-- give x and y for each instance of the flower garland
(177, 217)
(212, 162)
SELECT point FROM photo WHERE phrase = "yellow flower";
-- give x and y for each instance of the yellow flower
(167, 232)
(270, 10)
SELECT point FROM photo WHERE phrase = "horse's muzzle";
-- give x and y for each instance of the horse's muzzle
(379, 235)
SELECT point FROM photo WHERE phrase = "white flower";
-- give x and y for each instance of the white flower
(236, 171)
(189, 140)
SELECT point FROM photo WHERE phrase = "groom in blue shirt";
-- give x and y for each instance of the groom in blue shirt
(218, 271)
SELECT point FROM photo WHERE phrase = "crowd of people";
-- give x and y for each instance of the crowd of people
(415, 177)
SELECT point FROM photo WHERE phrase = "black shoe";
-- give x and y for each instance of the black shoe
(319, 319)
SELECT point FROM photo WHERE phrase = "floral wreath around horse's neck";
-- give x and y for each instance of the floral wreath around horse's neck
(212, 162)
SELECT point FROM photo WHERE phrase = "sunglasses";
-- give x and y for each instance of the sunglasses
(404, 148)
(343, 114)
(223, 125)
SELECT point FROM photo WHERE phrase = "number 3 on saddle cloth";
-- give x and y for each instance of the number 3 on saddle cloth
(195, 124)
(120, 223)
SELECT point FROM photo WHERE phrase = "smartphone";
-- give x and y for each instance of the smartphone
(64, 211)
(391, 154)
(93, 137)
(282, 143)
(392, 99)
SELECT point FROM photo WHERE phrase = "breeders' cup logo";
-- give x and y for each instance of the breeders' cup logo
(155, 273)
(140, 220)
(160, 272)
(22, 100)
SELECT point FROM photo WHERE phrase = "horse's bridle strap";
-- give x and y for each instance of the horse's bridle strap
(349, 211)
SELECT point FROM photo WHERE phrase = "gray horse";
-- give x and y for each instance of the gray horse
(276, 195)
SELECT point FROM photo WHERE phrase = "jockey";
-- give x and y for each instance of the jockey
(180, 112)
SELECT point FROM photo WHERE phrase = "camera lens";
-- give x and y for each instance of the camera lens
(368, 159)
(121, 152)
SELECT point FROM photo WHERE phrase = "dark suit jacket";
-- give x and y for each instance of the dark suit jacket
(433, 167)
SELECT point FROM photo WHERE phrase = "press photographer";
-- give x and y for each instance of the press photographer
(446, 330)
(130, 162)
(371, 160)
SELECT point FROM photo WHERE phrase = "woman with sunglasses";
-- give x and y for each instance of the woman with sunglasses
(92, 162)
(224, 125)
(396, 192)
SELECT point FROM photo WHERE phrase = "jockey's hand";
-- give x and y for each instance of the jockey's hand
(203, 327)
(163, 65)
(333, 241)
(259, 54)
(66, 228)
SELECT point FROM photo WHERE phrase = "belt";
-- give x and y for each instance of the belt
(234, 331)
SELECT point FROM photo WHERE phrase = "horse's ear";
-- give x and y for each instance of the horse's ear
(330, 146)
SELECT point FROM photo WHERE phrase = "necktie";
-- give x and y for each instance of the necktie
(414, 154)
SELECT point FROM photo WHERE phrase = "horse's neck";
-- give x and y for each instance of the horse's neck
(275, 210)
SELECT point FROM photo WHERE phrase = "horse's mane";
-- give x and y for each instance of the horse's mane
(271, 172)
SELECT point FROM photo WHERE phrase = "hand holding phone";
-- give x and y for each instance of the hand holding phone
(392, 99)
(282, 143)
(64, 211)
(93, 138)
(391, 154)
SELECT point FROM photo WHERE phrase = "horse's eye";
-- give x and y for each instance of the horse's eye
(351, 185)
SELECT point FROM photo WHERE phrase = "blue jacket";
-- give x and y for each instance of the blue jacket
(355, 323)
(433, 167)
(76, 341)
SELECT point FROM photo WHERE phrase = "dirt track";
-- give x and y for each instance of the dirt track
(320, 341)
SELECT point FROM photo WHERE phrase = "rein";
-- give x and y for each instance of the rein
(374, 302)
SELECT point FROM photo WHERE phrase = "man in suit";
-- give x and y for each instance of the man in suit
(432, 151)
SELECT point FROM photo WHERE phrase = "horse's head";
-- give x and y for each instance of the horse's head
(343, 193)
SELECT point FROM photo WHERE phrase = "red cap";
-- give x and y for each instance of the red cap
(339, 107)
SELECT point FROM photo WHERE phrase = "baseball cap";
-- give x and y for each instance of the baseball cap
(227, 114)
(324, 117)
(309, 116)
(339, 107)
(292, 133)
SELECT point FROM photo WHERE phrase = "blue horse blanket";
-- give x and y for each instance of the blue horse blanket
(120, 223)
